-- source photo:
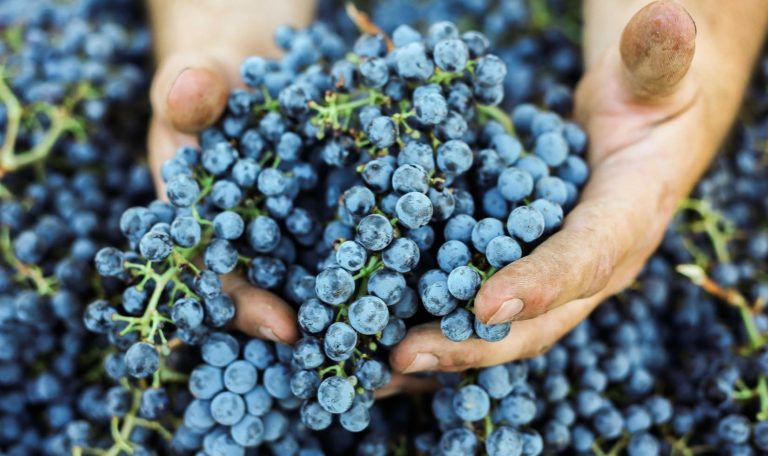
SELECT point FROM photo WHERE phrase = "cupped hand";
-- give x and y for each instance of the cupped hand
(199, 50)
(650, 139)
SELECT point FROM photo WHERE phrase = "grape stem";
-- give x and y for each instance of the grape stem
(699, 277)
(61, 122)
(151, 310)
(44, 286)
(713, 224)
(495, 113)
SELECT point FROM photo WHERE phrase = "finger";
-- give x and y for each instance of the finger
(189, 92)
(609, 226)
(657, 48)
(425, 348)
(163, 143)
(407, 384)
(260, 313)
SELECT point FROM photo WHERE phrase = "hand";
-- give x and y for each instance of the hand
(651, 137)
(196, 72)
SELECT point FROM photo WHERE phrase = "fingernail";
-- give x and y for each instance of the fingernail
(422, 362)
(507, 311)
(267, 333)
(176, 81)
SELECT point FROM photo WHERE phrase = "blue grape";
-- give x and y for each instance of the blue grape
(463, 282)
(335, 395)
(457, 325)
(206, 381)
(334, 286)
(368, 315)
(142, 360)
(227, 408)
(402, 255)
(526, 223)
(374, 232)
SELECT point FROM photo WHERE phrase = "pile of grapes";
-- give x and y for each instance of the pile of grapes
(373, 183)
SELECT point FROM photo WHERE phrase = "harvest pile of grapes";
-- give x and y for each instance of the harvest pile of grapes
(374, 177)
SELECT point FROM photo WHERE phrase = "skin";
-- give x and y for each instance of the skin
(657, 99)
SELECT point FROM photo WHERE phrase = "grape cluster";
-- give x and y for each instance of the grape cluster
(538, 40)
(242, 399)
(405, 237)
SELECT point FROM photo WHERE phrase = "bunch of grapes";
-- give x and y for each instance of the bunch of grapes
(537, 39)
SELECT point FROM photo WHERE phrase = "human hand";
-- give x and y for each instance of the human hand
(199, 48)
(649, 115)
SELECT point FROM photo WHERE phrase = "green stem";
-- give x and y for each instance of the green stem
(13, 119)
(44, 286)
(488, 425)
(155, 426)
(762, 392)
(495, 113)
(336, 369)
(154, 300)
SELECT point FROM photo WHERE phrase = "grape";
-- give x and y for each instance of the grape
(206, 381)
(220, 349)
(374, 232)
(457, 442)
(463, 282)
(551, 148)
(502, 250)
(340, 341)
(491, 333)
(504, 441)
(187, 313)
(334, 286)
(414, 210)
(227, 408)
(335, 395)
(410, 178)
(277, 381)
(451, 55)
(142, 360)
(490, 71)
(387, 285)
(526, 223)
(402, 255)
(516, 184)
(263, 234)
(314, 316)
(308, 353)
(248, 432)
(351, 256)
(453, 254)
(382, 131)
(457, 325)
(314, 416)
(368, 315)
(240, 377)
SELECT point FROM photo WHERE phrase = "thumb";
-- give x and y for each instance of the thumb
(657, 48)
(593, 252)
(189, 92)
